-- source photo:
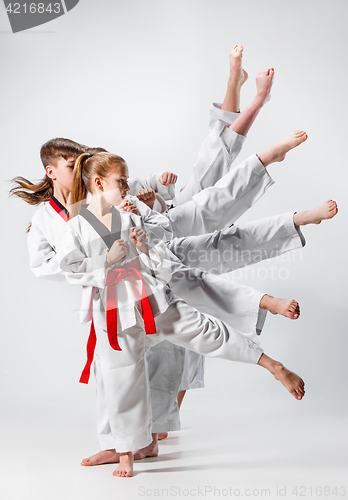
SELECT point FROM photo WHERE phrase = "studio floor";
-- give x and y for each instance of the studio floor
(236, 441)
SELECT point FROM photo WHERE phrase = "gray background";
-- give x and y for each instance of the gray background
(137, 78)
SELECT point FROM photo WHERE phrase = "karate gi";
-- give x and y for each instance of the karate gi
(217, 207)
(45, 236)
(219, 150)
(124, 373)
(216, 253)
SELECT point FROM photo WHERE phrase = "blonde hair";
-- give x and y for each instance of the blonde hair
(86, 166)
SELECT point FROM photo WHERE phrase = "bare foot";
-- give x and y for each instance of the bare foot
(162, 435)
(278, 151)
(103, 457)
(264, 82)
(326, 210)
(292, 382)
(238, 76)
(286, 307)
(149, 451)
(125, 469)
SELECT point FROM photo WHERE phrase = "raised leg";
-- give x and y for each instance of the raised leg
(223, 144)
(240, 245)
(325, 211)
(237, 77)
(292, 382)
(185, 326)
(278, 152)
(264, 81)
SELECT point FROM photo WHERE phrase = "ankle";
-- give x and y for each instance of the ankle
(266, 301)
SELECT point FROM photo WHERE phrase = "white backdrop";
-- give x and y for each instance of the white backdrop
(137, 78)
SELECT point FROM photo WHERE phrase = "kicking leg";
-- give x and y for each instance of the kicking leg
(237, 77)
(219, 206)
(286, 307)
(264, 81)
(278, 152)
(292, 382)
(237, 305)
(325, 211)
(185, 326)
(223, 144)
(240, 245)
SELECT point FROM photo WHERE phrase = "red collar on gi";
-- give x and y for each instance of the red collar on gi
(112, 279)
(59, 208)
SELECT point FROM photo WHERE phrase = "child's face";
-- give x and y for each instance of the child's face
(115, 186)
(62, 173)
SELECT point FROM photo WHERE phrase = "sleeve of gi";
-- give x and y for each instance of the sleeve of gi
(81, 269)
(43, 259)
(152, 181)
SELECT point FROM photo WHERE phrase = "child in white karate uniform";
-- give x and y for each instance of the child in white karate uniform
(125, 271)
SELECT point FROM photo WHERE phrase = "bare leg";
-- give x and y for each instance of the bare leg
(244, 122)
(181, 395)
(125, 469)
(278, 151)
(286, 307)
(292, 382)
(326, 210)
(149, 451)
(103, 457)
(237, 77)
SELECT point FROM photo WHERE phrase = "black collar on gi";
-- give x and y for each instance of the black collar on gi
(109, 237)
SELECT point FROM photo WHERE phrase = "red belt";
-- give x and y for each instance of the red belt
(113, 278)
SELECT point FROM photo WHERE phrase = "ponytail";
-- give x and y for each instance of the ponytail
(86, 166)
(34, 194)
(78, 189)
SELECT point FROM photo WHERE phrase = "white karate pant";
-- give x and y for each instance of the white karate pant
(218, 151)
(123, 374)
(193, 372)
(219, 206)
(222, 252)
(240, 245)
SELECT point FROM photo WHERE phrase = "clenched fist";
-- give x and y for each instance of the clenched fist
(168, 178)
(128, 206)
(138, 238)
(116, 252)
(147, 196)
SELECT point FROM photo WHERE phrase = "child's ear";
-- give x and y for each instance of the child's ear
(50, 172)
(98, 183)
